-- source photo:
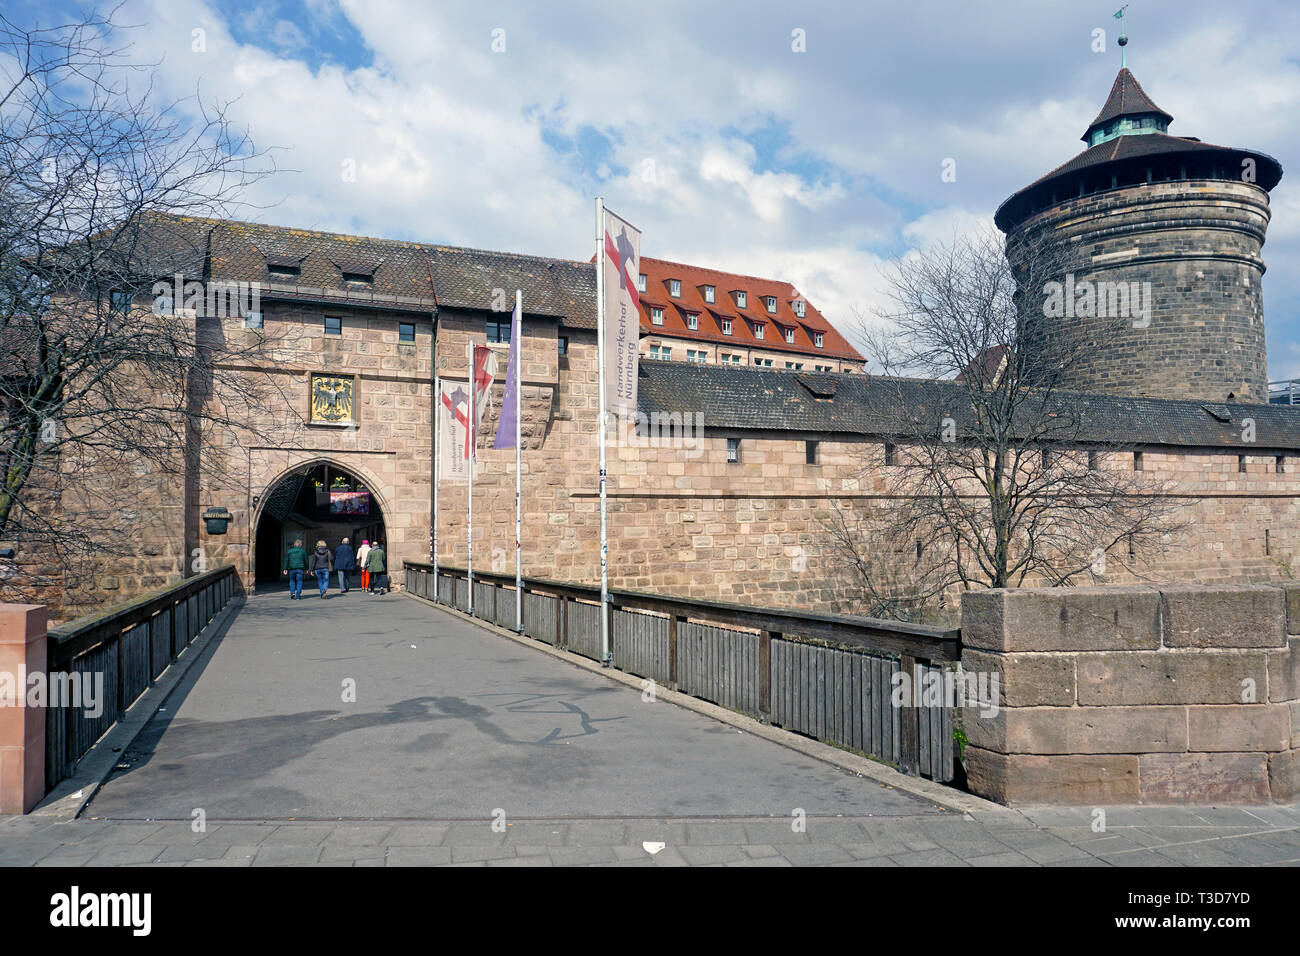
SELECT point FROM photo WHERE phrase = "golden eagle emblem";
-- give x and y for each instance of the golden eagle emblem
(332, 398)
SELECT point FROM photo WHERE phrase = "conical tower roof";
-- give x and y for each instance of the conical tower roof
(1127, 98)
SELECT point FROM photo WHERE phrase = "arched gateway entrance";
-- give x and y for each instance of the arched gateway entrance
(314, 502)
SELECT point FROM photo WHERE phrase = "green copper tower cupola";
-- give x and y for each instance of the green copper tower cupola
(1128, 111)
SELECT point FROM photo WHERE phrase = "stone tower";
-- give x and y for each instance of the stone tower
(1144, 252)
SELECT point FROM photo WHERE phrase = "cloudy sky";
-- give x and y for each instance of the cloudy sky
(495, 124)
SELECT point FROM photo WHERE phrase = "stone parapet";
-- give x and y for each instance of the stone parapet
(1178, 694)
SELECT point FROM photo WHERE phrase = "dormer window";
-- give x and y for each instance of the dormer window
(742, 300)
(771, 304)
(818, 339)
(726, 326)
(640, 282)
(675, 288)
(358, 280)
(789, 335)
(798, 307)
(709, 293)
(657, 316)
(282, 270)
(692, 320)
(758, 330)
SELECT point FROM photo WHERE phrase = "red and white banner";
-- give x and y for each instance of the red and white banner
(621, 263)
(456, 447)
(453, 431)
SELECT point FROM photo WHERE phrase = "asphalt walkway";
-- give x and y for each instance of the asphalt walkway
(362, 730)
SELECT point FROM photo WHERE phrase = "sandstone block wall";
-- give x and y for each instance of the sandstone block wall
(1176, 694)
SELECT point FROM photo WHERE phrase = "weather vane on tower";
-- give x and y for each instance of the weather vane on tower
(1123, 38)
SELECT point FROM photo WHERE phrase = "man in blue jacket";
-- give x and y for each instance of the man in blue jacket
(345, 560)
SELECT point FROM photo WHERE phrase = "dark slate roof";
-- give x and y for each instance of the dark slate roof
(1127, 98)
(406, 275)
(1140, 148)
(465, 278)
(767, 399)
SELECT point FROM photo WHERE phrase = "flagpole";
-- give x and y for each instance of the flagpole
(472, 439)
(519, 500)
(600, 377)
(437, 467)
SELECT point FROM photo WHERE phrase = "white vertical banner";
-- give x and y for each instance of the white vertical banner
(620, 258)
(453, 431)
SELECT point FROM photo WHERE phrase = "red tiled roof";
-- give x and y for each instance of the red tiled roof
(694, 278)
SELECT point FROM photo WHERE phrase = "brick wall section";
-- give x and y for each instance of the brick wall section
(1178, 694)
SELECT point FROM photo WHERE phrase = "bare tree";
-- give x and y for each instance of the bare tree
(104, 378)
(992, 476)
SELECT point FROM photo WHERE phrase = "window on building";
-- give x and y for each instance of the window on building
(564, 345)
(763, 362)
(726, 326)
(657, 316)
(794, 365)
(358, 280)
(727, 359)
(1268, 544)
(758, 330)
(498, 331)
(406, 331)
(818, 339)
(889, 453)
(733, 451)
(789, 336)
(1092, 461)
(120, 301)
(675, 288)
(282, 271)
(1241, 464)
(741, 299)
(1137, 461)
(823, 368)
(333, 325)
(640, 282)
(798, 307)
(1280, 464)
(771, 304)
(708, 293)
(696, 355)
(810, 452)
(663, 352)
(253, 320)
(692, 321)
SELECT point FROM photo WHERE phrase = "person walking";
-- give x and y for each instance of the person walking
(375, 562)
(295, 566)
(344, 561)
(319, 565)
(362, 553)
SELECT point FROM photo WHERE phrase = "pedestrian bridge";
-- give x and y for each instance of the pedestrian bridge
(362, 707)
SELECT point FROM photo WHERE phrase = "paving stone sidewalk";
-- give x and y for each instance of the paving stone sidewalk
(1134, 836)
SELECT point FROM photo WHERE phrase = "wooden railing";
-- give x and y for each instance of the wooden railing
(127, 648)
(827, 676)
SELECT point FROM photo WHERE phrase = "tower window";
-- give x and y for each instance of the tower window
(333, 325)
(406, 331)
(733, 451)
(810, 452)
(1241, 464)
(889, 453)
(1137, 461)
(564, 345)
(1280, 465)
(498, 331)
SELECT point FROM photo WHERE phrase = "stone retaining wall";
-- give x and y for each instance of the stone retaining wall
(1176, 694)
